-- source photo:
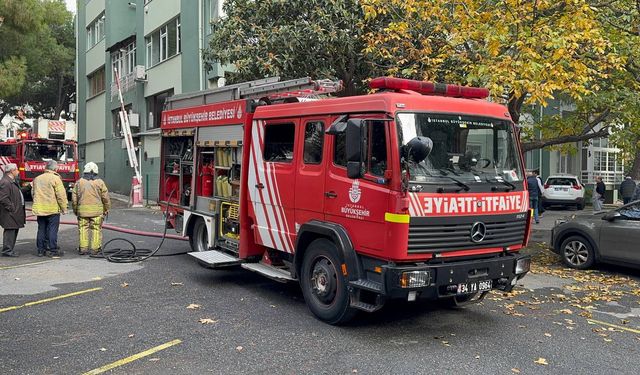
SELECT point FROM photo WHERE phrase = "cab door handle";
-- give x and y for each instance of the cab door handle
(331, 194)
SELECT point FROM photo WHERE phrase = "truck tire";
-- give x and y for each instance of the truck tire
(323, 286)
(577, 252)
(199, 236)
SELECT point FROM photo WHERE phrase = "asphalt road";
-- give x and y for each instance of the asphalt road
(569, 322)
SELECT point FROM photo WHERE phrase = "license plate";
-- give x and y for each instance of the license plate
(474, 287)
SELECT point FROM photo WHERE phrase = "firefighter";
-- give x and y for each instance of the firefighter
(49, 201)
(90, 202)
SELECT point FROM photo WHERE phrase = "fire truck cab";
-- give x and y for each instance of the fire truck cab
(32, 149)
(415, 191)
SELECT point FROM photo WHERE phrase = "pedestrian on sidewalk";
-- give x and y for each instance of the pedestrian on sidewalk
(535, 188)
(49, 201)
(90, 202)
(540, 205)
(598, 195)
(626, 190)
(12, 212)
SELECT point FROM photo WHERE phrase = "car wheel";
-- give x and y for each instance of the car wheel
(577, 253)
(198, 237)
(580, 206)
(323, 286)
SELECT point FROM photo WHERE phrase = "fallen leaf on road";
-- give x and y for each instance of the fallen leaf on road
(124, 285)
(193, 306)
(17, 278)
(547, 334)
(566, 311)
(541, 361)
(446, 343)
(239, 348)
(176, 284)
(131, 335)
(153, 359)
(207, 321)
(624, 321)
(607, 340)
(103, 349)
(477, 357)
(97, 278)
(515, 370)
(272, 306)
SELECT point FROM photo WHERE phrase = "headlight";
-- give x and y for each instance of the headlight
(415, 279)
(523, 265)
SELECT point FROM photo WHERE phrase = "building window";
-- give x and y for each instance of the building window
(155, 104)
(124, 59)
(163, 43)
(95, 31)
(117, 124)
(375, 144)
(96, 82)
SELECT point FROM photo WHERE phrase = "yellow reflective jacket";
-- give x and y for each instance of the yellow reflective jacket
(90, 198)
(49, 196)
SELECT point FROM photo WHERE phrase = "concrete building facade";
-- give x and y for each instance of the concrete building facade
(156, 47)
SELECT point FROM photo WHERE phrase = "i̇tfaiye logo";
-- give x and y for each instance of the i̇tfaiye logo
(354, 192)
(239, 112)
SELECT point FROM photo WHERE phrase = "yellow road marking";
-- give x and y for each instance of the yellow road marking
(5, 309)
(132, 358)
(24, 265)
(593, 321)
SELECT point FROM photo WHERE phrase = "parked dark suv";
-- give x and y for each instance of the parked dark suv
(612, 237)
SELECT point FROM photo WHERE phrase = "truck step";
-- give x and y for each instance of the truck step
(365, 306)
(369, 285)
(215, 258)
(277, 274)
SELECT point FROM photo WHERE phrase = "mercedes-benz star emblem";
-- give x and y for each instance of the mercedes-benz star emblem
(478, 231)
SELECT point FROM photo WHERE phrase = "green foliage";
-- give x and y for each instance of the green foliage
(290, 39)
(38, 38)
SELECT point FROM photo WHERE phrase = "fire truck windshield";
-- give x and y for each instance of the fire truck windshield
(49, 151)
(466, 149)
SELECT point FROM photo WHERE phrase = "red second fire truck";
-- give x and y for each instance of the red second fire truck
(415, 191)
(31, 149)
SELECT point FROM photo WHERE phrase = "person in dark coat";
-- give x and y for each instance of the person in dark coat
(12, 212)
(626, 190)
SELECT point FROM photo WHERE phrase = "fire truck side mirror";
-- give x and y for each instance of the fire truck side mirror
(355, 145)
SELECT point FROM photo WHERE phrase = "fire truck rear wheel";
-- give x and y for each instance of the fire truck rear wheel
(323, 286)
(199, 236)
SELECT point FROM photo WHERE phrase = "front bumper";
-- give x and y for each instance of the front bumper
(444, 278)
(551, 202)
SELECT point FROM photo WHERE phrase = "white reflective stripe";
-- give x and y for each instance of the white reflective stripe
(276, 207)
(263, 231)
(287, 231)
(272, 218)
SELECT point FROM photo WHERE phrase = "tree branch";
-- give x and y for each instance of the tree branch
(537, 144)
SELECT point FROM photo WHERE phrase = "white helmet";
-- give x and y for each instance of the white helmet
(91, 167)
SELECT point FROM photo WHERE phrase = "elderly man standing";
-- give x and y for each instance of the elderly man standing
(49, 201)
(12, 214)
(90, 202)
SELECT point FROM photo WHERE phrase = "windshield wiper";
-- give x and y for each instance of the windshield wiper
(462, 185)
(509, 185)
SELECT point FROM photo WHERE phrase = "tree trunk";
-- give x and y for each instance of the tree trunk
(635, 169)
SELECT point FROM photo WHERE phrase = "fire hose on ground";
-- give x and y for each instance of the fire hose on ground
(133, 254)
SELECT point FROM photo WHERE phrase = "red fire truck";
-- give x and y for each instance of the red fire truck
(415, 191)
(31, 149)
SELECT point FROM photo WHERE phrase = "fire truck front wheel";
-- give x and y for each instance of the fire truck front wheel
(323, 286)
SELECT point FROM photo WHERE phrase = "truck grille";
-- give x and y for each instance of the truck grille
(449, 234)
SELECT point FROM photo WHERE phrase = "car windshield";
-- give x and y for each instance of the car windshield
(47, 151)
(465, 148)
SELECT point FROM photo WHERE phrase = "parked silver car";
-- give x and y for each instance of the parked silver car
(612, 237)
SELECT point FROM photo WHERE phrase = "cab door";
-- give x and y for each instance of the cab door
(310, 178)
(360, 205)
(272, 181)
(619, 238)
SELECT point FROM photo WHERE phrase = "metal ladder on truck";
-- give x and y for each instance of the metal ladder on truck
(269, 90)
